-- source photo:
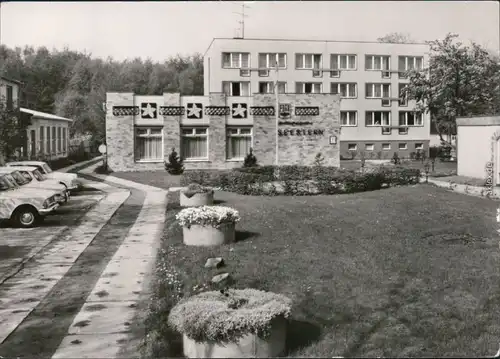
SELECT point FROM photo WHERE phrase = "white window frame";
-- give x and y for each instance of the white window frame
(348, 87)
(240, 60)
(271, 86)
(372, 62)
(238, 134)
(355, 145)
(303, 85)
(388, 147)
(369, 147)
(419, 147)
(339, 67)
(415, 114)
(148, 135)
(270, 61)
(405, 146)
(303, 55)
(372, 117)
(349, 115)
(231, 88)
(374, 86)
(409, 59)
(194, 134)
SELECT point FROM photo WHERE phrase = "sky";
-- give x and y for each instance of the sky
(158, 30)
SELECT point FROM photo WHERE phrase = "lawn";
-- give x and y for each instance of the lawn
(408, 271)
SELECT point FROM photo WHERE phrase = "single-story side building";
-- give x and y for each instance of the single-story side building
(217, 131)
(478, 149)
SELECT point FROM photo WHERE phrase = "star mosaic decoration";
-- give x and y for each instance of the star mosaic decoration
(194, 110)
(149, 110)
(239, 110)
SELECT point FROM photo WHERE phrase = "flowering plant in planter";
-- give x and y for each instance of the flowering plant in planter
(226, 316)
(195, 188)
(213, 216)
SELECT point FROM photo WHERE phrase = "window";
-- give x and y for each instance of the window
(377, 62)
(10, 97)
(148, 144)
(54, 139)
(194, 143)
(59, 139)
(235, 60)
(268, 87)
(64, 139)
(403, 101)
(407, 63)
(238, 142)
(48, 140)
(308, 87)
(378, 118)
(352, 146)
(346, 90)
(386, 146)
(342, 62)
(307, 61)
(269, 60)
(410, 118)
(386, 130)
(369, 147)
(348, 118)
(419, 146)
(236, 88)
(378, 90)
(402, 146)
(42, 140)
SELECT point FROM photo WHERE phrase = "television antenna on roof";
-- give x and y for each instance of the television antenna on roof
(244, 5)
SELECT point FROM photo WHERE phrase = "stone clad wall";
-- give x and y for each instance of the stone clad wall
(300, 137)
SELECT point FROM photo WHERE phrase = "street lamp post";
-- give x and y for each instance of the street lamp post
(276, 91)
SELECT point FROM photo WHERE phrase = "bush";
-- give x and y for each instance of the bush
(174, 165)
(221, 317)
(395, 159)
(434, 152)
(250, 160)
(445, 152)
(303, 180)
(207, 216)
(195, 188)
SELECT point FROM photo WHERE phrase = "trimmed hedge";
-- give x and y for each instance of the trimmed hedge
(301, 180)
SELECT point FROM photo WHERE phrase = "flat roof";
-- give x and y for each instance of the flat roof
(310, 40)
(47, 116)
(11, 80)
(479, 121)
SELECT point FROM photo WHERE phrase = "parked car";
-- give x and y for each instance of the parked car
(31, 177)
(23, 206)
(70, 180)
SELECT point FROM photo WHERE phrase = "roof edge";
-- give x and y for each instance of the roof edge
(314, 40)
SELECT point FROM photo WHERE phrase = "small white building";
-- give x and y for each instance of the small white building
(478, 148)
(47, 136)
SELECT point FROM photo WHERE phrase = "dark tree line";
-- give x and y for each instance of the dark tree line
(74, 84)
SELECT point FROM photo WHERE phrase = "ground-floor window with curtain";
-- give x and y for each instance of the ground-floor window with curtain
(194, 143)
(148, 144)
(238, 142)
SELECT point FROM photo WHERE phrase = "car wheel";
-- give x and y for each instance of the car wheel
(26, 217)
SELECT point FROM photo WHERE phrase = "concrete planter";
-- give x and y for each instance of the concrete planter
(249, 346)
(198, 199)
(197, 235)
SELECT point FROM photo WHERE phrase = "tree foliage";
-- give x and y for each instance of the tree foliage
(13, 123)
(396, 38)
(74, 84)
(459, 81)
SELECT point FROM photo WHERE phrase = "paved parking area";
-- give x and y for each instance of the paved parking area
(18, 245)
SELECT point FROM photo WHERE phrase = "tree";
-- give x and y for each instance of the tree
(13, 124)
(396, 38)
(459, 81)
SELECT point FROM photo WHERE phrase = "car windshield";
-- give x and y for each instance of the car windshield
(46, 168)
(19, 178)
(26, 176)
(38, 175)
(11, 181)
(4, 184)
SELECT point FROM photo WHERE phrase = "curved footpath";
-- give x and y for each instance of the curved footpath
(61, 304)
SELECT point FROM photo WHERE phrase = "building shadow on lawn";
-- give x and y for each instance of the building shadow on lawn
(300, 334)
(244, 235)
(218, 201)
